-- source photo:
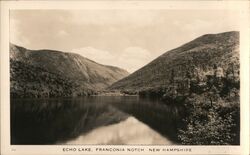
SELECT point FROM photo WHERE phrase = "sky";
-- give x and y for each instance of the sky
(128, 39)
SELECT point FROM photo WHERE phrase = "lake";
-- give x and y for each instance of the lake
(94, 120)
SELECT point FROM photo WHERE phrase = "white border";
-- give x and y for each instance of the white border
(242, 6)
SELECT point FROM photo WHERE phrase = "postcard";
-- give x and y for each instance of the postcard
(125, 77)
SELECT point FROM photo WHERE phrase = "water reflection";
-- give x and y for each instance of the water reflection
(161, 117)
(48, 121)
(129, 131)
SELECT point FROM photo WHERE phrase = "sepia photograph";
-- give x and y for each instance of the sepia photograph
(121, 77)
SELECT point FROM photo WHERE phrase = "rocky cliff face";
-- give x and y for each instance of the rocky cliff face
(207, 56)
(53, 73)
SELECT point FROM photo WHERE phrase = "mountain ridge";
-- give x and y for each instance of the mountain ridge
(41, 50)
(201, 53)
(87, 75)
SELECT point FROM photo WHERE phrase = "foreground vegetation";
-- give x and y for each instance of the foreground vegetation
(213, 112)
(210, 120)
(211, 103)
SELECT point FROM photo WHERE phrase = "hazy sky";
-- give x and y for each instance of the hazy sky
(125, 38)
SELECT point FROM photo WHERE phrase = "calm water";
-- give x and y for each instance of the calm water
(110, 119)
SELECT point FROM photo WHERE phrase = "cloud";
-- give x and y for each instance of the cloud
(131, 58)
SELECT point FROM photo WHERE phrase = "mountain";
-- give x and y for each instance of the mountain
(196, 60)
(39, 73)
(201, 77)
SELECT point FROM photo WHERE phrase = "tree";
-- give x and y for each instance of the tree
(209, 121)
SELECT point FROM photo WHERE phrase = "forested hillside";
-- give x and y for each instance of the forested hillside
(47, 73)
(195, 60)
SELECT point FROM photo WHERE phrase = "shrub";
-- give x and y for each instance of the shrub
(210, 121)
